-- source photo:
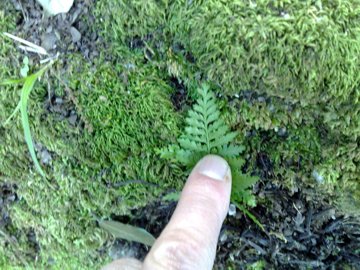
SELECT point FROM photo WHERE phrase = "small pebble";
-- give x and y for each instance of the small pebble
(48, 41)
(285, 15)
(102, 98)
(318, 177)
(49, 29)
(45, 157)
(75, 34)
(282, 132)
(271, 108)
(261, 99)
(223, 237)
(59, 100)
(232, 210)
(11, 198)
(72, 119)
(129, 66)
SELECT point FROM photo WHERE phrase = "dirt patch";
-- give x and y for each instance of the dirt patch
(299, 234)
(179, 98)
(8, 196)
(63, 33)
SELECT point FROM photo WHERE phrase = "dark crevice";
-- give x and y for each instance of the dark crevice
(180, 96)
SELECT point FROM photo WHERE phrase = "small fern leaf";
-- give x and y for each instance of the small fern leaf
(200, 110)
(184, 156)
(169, 152)
(231, 151)
(191, 145)
(189, 158)
(242, 181)
(192, 122)
(224, 140)
(213, 117)
(198, 117)
(217, 131)
(194, 131)
(211, 107)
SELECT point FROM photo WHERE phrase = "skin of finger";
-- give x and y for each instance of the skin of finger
(124, 264)
(189, 240)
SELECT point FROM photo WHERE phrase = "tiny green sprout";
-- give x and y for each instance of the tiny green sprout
(25, 68)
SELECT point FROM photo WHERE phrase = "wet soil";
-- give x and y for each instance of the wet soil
(299, 234)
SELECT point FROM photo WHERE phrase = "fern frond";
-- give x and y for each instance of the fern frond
(207, 133)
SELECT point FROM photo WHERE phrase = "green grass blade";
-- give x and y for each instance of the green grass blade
(12, 81)
(251, 216)
(127, 232)
(13, 114)
(25, 93)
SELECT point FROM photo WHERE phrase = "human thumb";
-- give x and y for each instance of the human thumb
(189, 240)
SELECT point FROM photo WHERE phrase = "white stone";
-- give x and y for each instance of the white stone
(232, 210)
(54, 7)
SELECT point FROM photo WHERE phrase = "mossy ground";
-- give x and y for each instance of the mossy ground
(282, 83)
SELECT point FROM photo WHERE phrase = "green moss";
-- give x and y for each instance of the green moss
(302, 151)
(143, 27)
(128, 115)
(302, 52)
(302, 56)
(122, 20)
(109, 168)
(291, 48)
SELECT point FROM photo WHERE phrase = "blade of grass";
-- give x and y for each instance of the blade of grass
(28, 85)
(127, 232)
(25, 93)
(250, 215)
(13, 114)
(12, 81)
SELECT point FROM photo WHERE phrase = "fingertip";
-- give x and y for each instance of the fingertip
(214, 167)
(124, 264)
(210, 184)
(189, 241)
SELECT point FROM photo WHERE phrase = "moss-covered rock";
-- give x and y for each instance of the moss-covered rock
(109, 167)
(287, 79)
(293, 50)
(128, 115)
(123, 20)
(104, 165)
(302, 56)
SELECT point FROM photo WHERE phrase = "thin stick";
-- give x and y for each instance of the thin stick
(28, 49)
(38, 49)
